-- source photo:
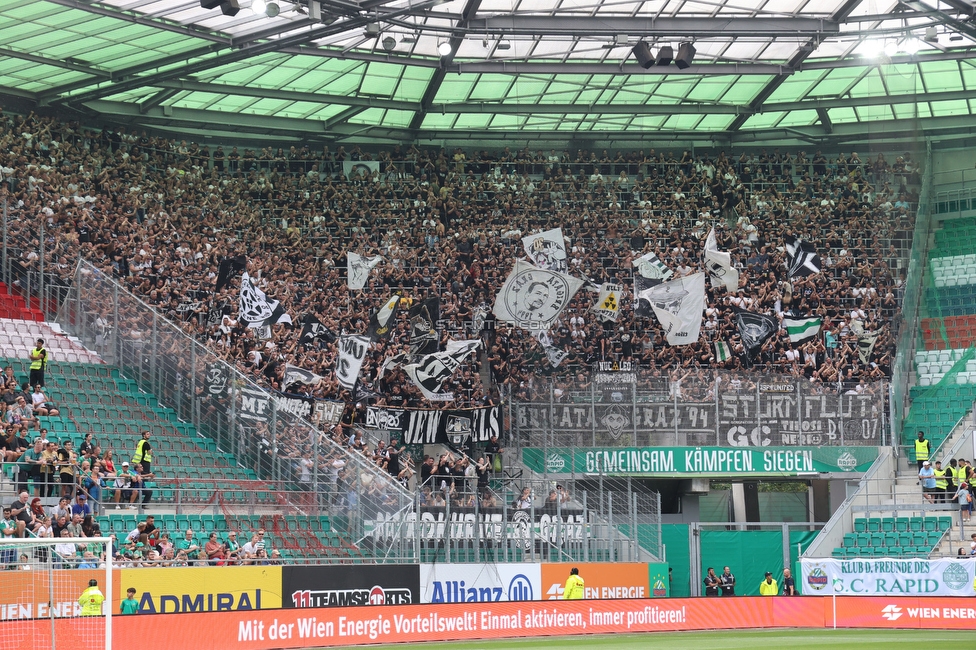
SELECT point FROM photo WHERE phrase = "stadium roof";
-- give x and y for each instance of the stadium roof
(479, 69)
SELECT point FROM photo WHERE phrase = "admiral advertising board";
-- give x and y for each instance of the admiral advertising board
(350, 585)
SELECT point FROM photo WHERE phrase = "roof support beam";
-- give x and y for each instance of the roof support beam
(700, 28)
(157, 99)
(57, 63)
(960, 26)
(342, 116)
(434, 85)
(825, 120)
(287, 95)
(712, 69)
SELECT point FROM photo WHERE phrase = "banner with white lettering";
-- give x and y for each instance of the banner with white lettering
(887, 576)
(430, 427)
(352, 351)
(255, 405)
(382, 417)
(699, 461)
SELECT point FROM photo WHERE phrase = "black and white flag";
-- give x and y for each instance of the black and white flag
(423, 326)
(801, 258)
(754, 330)
(396, 361)
(313, 329)
(608, 303)
(432, 370)
(215, 314)
(865, 346)
(383, 321)
(547, 250)
(650, 266)
(227, 267)
(450, 427)
(384, 417)
(719, 265)
(218, 378)
(532, 298)
(296, 375)
(352, 351)
(679, 306)
(358, 268)
(255, 308)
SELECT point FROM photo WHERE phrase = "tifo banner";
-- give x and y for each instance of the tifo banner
(479, 583)
(205, 589)
(31, 594)
(888, 577)
(699, 461)
(601, 581)
(518, 526)
(350, 585)
(744, 411)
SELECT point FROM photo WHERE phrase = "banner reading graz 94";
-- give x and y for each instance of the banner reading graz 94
(885, 576)
(764, 413)
(699, 461)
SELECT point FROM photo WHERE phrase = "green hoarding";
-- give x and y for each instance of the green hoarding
(700, 461)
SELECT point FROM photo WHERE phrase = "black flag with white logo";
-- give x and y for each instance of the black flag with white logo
(383, 321)
(754, 330)
(423, 326)
(801, 258)
(227, 267)
(313, 329)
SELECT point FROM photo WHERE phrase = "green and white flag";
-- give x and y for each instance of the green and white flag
(722, 351)
(801, 329)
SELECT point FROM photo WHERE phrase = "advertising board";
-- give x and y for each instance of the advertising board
(473, 583)
(888, 577)
(205, 589)
(601, 581)
(350, 585)
(31, 594)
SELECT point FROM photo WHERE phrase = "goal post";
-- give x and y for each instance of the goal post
(41, 604)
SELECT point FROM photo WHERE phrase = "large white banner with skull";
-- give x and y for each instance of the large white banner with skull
(679, 306)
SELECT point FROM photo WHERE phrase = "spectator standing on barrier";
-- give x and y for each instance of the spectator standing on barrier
(38, 358)
(574, 588)
(143, 453)
(926, 477)
(91, 599)
(129, 605)
(789, 584)
(922, 449)
(769, 586)
(711, 582)
(727, 582)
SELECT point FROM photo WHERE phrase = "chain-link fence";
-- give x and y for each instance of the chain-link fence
(267, 433)
(651, 407)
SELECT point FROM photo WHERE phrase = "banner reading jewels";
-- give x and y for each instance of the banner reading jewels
(887, 577)
(699, 461)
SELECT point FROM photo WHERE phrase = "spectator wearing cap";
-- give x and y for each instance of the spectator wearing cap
(926, 477)
(81, 506)
(124, 492)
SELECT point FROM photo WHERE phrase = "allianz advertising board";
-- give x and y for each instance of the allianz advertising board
(478, 583)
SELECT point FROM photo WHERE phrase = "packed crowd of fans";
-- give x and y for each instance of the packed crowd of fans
(160, 215)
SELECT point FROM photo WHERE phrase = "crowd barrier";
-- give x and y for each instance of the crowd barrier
(337, 627)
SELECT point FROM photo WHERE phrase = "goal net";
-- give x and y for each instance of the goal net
(56, 593)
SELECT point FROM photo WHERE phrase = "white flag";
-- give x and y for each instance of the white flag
(547, 250)
(430, 373)
(255, 309)
(532, 298)
(358, 268)
(679, 306)
(294, 374)
(719, 265)
(352, 351)
(865, 346)
(722, 351)
(651, 267)
(608, 304)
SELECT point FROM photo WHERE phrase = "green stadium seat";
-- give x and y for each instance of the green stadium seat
(860, 525)
(863, 540)
(917, 524)
(874, 524)
(887, 525)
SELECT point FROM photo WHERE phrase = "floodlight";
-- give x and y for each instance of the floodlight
(389, 43)
(258, 6)
(444, 48)
(272, 9)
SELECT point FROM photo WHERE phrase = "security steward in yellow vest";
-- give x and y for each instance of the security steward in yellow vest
(38, 359)
(143, 453)
(574, 589)
(941, 483)
(922, 450)
(91, 600)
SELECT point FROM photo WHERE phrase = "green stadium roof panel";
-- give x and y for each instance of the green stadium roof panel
(405, 69)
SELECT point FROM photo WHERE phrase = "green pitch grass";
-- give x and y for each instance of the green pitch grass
(724, 640)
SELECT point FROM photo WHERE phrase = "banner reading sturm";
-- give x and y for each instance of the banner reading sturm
(699, 461)
(887, 577)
